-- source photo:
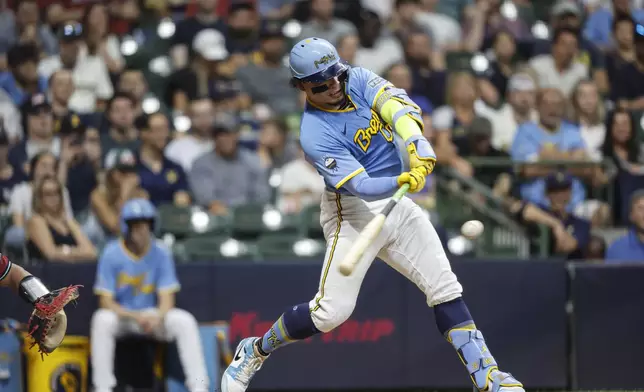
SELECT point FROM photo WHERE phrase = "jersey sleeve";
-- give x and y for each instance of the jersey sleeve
(168, 281)
(106, 273)
(369, 84)
(5, 267)
(331, 159)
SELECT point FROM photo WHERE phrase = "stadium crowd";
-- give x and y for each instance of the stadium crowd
(188, 104)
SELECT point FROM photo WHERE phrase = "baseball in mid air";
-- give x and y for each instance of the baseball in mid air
(472, 229)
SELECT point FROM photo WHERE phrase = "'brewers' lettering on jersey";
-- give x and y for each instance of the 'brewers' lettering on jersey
(363, 135)
(343, 143)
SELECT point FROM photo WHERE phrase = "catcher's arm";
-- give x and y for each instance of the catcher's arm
(15, 275)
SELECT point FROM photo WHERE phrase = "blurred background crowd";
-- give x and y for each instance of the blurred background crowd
(534, 109)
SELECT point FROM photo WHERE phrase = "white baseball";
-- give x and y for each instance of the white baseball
(472, 229)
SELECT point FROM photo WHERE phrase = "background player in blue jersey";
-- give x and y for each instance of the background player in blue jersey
(349, 130)
(136, 283)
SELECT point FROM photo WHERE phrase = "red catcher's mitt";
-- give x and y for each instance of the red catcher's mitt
(48, 322)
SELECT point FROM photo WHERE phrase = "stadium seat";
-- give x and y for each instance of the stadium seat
(251, 220)
(211, 248)
(185, 221)
(310, 222)
(280, 246)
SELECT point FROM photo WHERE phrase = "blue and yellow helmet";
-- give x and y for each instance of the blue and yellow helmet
(137, 210)
(315, 60)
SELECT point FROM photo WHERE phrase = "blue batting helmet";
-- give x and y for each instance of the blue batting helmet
(136, 210)
(315, 60)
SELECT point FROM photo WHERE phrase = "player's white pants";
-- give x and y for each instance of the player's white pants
(408, 243)
(178, 325)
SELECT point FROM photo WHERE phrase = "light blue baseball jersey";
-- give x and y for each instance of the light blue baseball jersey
(528, 142)
(344, 143)
(135, 282)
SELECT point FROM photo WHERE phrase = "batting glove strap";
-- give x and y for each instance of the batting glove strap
(421, 153)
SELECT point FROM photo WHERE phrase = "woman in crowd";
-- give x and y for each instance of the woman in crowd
(98, 39)
(275, 148)
(20, 206)
(588, 113)
(52, 235)
(493, 82)
(451, 120)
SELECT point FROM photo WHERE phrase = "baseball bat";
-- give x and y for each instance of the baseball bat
(369, 234)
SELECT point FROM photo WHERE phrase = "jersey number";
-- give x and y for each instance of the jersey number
(363, 136)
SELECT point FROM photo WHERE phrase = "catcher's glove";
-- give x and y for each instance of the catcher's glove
(48, 322)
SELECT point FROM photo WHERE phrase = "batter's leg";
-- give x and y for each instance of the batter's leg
(332, 305)
(417, 253)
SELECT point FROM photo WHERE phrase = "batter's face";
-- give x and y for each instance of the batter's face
(329, 94)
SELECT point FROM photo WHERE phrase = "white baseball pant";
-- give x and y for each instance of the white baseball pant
(178, 325)
(408, 242)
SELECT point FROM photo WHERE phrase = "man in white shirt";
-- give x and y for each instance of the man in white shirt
(91, 77)
(561, 69)
(323, 25)
(379, 48)
(186, 149)
(519, 108)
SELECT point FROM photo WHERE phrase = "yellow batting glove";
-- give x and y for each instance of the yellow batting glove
(421, 154)
(415, 178)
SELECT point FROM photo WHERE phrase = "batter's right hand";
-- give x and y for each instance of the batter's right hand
(415, 178)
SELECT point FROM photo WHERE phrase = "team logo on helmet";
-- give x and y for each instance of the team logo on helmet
(325, 60)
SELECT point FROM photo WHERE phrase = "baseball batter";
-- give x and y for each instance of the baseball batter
(348, 130)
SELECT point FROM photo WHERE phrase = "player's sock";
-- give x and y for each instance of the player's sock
(295, 324)
(455, 323)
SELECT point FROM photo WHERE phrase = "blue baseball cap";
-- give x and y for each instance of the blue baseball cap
(558, 181)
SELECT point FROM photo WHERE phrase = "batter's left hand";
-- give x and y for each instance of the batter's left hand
(421, 154)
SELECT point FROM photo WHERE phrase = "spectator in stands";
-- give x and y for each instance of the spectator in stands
(133, 83)
(630, 247)
(275, 148)
(9, 176)
(90, 73)
(588, 113)
(570, 234)
(301, 186)
(53, 235)
(568, 14)
(348, 48)
(445, 30)
(98, 39)
(242, 28)
(551, 139)
(478, 143)
(39, 136)
(185, 149)
(323, 24)
(25, 28)
(493, 82)
(61, 89)
(627, 89)
(518, 109)
(137, 284)
(203, 78)
(121, 132)
(23, 78)
(450, 121)
(621, 142)
(623, 52)
(427, 68)
(213, 173)
(399, 75)
(486, 21)
(77, 168)
(275, 9)
(187, 30)
(267, 81)
(42, 165)
(598, 25)
(406, 18)
(378, 48)
(561, 69)
(163, 179)
(121, 183)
